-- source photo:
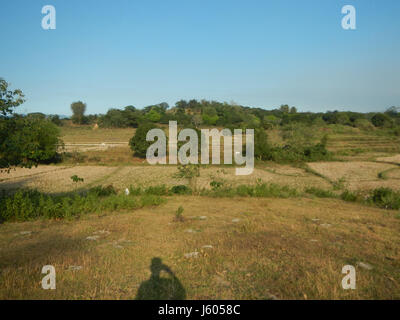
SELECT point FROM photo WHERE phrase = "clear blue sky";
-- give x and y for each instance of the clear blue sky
(256, 53)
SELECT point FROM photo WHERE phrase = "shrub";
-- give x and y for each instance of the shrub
(190, 172)
(381, 120)
(385, 198)
(181, 189)
(349, 196)
(101, 191)
(364, 124)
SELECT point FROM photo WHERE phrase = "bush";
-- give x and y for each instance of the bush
(181, 189)
(381, 120)
(385, 198)
(101, 191)
(364, 124)
(349, 196)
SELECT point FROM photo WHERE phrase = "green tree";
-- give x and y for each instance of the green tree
(78, 112)
(32, 141)
(24, 141)
(262, 149)
(284, 108)
(138, 142)
(153, 115)
(9, 99)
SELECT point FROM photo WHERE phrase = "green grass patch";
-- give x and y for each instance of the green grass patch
(31, 204)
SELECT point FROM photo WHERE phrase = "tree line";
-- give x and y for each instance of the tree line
(229, 115)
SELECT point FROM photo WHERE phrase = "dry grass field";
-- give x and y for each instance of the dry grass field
(238, 249)
(226, 248)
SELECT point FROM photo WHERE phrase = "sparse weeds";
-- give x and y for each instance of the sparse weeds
(179, 215)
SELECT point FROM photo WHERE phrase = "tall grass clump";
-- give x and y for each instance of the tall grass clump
(320, 193)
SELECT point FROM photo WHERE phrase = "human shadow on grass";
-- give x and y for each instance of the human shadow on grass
(159, 288)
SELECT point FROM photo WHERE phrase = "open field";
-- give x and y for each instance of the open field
(226, 248)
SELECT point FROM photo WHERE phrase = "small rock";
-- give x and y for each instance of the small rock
(191, 254)
(365, 266)
(92, 238)
(202, 218)
(25, 233)
(235, 220)
(209, 246)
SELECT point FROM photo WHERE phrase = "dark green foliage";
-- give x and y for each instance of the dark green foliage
(76, 179)
(381, 120)
(101, 191)
(78, 112)
(138, 142)
(259, 190)
(31, 204)
(24, 141)
(27, 142)
(349, 196)
(262, 150)
(9, 99)
(55, 119)
(216, 184)
(181, 189)
(320, 193)
(290, 153)
(386, 198)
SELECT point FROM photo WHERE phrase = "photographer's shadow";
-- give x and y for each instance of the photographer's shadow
(158, 288)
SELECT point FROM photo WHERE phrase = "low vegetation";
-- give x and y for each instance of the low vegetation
(31, 204)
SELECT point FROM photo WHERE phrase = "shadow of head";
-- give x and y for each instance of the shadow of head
(161, 288)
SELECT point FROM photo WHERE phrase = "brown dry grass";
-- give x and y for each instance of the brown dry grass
(274, 249)
(58, 179)
(356, 175)
(393, 159)
(86, 134)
